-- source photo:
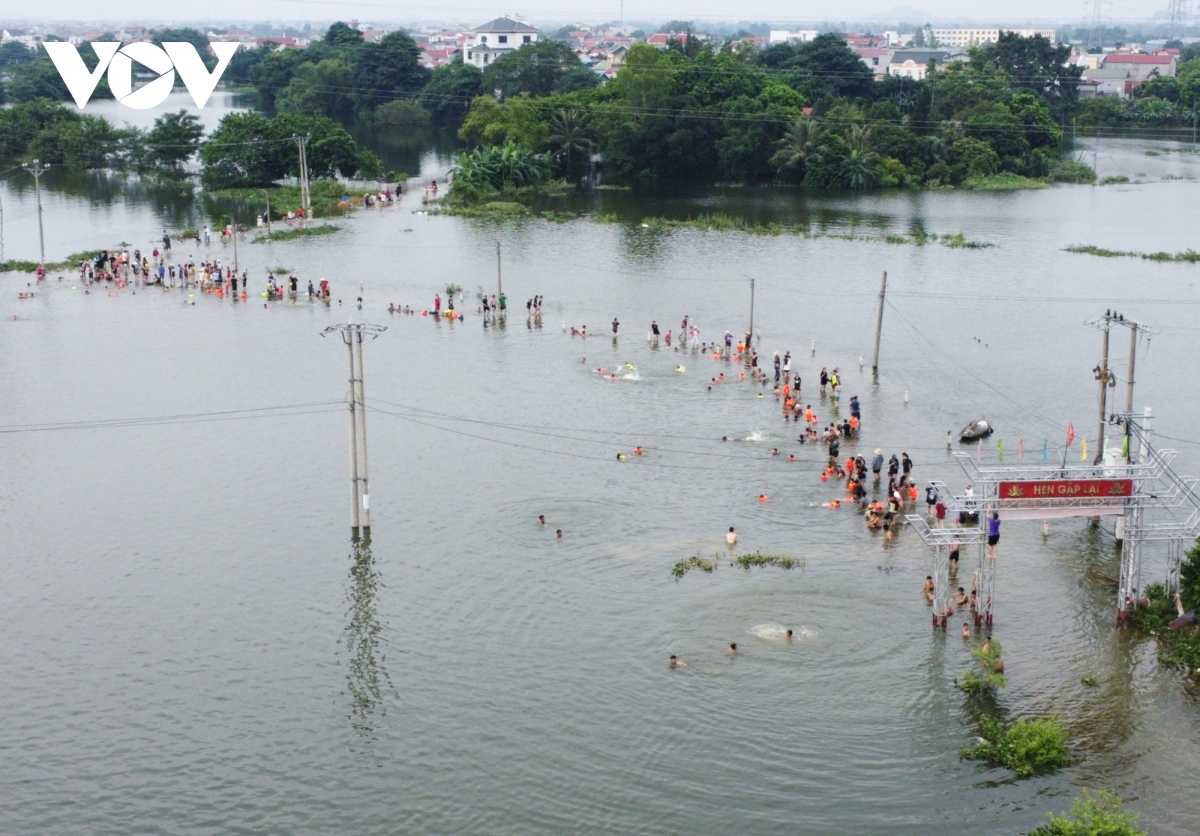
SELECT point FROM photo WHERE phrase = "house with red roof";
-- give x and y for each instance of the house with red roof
(1141, 66)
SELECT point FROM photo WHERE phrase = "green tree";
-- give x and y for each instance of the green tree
(1036, 65)
(322, 89)
(274, 72)
(451, 89)
(13, 53)
(824, 66)
(240, 153)
(538, 69)
(37, 79)
(174, 138)
(242, 64)
(341, 35)
(387, 70)
(192, 36)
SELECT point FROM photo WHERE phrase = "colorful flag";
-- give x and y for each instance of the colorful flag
(1070, 433)
(1021, 448)
(1084, 456)
(1000, 447)
(979, 452)
(1045, 449)
(1125, 447)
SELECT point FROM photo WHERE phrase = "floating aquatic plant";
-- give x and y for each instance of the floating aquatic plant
(783, 561)
(682, 567)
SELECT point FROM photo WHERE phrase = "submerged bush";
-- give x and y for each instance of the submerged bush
(1092, 815)
(1027, 747)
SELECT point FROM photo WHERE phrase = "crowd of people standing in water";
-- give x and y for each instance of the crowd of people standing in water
(125, 267)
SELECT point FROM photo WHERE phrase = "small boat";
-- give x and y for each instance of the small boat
(975, 430)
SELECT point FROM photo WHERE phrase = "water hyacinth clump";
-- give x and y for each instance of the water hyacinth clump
(682, 567)
(783, 561)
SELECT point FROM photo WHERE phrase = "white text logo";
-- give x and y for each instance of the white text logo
(181, 56)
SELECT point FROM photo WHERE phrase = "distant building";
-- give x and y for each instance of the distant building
(982, 35)
(914, 63)
(21, 36)
(662, 40)
(783, 36)
(1113, 81)
(1139, 66)
(494, 39)
(877, 59)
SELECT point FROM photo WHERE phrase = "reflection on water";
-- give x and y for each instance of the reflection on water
(366, 676)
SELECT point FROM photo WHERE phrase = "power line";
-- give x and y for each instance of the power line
(181, 418)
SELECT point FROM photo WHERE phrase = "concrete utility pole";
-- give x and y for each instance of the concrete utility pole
(750, 333)
(360, 487)
(305, 203)
(233, 228)
(879, 325)
(1103, 376)
(499, 277)
(268, 194)
(37, 170)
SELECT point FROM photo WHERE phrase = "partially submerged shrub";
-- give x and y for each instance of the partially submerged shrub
(1027, 747)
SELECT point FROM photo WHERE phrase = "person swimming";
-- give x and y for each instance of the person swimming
(731, 537)
(732, 651)
(541, 519)
(789, 635)
(675, 663)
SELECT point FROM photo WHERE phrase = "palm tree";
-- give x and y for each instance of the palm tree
(798, 145)
(859, 137)
(570, 132)
(858, 169)
(953, 131)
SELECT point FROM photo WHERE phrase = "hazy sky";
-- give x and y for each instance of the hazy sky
(1050, 11)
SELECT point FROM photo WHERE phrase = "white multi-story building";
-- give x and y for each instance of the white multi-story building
(496, 38)
(981, 35)
(783, 36)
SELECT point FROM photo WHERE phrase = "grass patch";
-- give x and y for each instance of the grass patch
(682, 567)
(69, 263)
(721, 222)
(1114, 180)
(325, 197)
(1187, 256)
(298, 232)
(1092, 815)
(1072, 171)
(958, 241)
(1028, 747)
(783, 561)
(1005, 181)
(491, 209)
(605, 187)
(280, 271)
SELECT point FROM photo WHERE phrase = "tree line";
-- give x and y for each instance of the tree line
(698, 111)
(809, 113)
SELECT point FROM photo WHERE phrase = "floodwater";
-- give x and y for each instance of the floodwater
(192, 644)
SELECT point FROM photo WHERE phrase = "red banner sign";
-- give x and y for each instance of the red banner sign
(1068, 489)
